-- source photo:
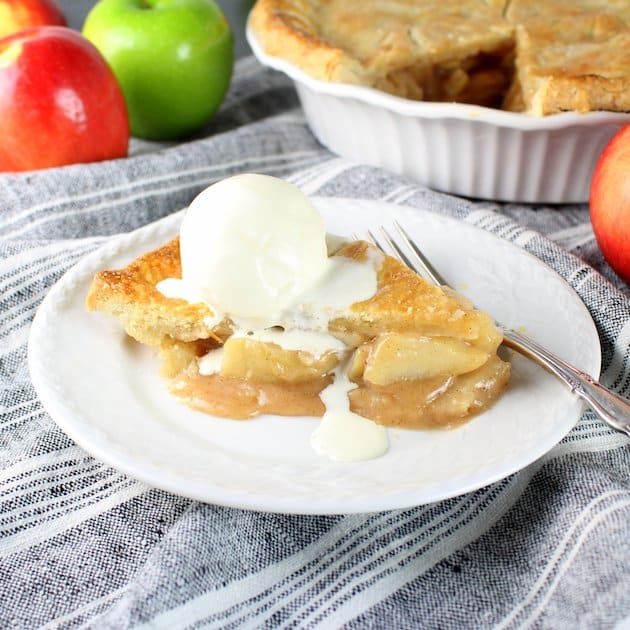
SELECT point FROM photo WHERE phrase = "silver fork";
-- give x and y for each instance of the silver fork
(613, 409)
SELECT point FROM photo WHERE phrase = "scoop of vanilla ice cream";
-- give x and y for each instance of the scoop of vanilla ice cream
(250, 244)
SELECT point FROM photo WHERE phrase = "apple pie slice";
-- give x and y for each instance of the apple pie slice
(254, 309)
(417, 355)
(571, 56)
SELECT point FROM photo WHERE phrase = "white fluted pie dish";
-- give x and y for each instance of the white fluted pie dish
(456, 148)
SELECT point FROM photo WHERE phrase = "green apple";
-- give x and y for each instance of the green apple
(172, 58)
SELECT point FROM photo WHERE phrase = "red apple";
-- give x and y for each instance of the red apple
(16, 15)
(610, 202)
(59, 101)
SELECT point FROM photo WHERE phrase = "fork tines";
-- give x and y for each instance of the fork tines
(416, 261)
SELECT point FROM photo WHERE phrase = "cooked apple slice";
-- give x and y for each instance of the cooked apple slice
(394, 357)
(265, 362)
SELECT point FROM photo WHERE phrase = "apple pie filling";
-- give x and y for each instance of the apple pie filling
(399, 380)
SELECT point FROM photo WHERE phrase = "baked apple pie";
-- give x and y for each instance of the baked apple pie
(405, 353)
(536, 56)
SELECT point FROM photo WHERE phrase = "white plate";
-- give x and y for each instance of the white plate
(457, 148)
(104, 392)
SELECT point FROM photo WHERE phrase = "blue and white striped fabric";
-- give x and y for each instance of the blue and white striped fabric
(82, 545)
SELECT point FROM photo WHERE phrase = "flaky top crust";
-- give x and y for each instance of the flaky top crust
(130, 294)
(404, 302)
(361, 43)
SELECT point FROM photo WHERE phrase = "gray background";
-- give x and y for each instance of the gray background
(235, 11)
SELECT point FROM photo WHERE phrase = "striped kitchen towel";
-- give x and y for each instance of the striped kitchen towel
(83, 545)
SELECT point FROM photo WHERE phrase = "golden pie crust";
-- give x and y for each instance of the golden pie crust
(539, 57)
(420, 356)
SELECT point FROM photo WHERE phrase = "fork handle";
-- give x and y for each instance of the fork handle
(614, 410)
